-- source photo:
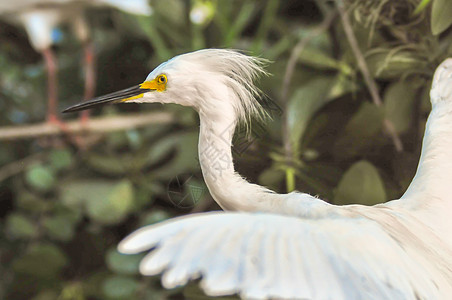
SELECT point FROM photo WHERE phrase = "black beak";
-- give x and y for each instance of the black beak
(116, 97)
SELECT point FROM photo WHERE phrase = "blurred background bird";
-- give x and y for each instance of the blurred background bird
(292, 246)
(41, 18)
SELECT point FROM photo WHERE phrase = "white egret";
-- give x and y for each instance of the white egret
(293, 246)
(41, 17)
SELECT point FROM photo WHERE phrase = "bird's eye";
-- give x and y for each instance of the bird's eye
(161, 79)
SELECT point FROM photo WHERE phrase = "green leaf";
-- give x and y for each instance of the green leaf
(107, 164)
(360, 131)
(72, 290)
(398, 104)
(155, 216)
(361, 184)
(119, 164)
(20, 227)
(441, 16)
(120, 287)
(421, 6)
(386, 63)
(320, 41)
(305, 102)
(318, 59)
(319, 178)
(271, 178)
(42, 260)
(40, 177)
(342, 85)
(241, 19)
(93, 281)
(185, 159)
(71, 214)
(134, 138)
(174, 16)
(113, 205)
(144, 195)
(116, 140)
(107, 202)
(59, 227)
(32, 202)
(60, 159)
(76, 193)
(161, 148)
(122, 263)
(46, 295)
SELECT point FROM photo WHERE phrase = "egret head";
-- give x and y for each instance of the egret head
(210, 80)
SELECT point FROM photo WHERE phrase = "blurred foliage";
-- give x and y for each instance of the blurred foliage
(64, 209)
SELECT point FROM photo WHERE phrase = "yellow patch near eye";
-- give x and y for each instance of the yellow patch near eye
(157, 84)
(132, 98)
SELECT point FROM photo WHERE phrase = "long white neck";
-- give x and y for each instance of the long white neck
(433, 179)
(429, 196)
(229, 189)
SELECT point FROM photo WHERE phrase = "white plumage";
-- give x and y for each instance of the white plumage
(295, 246)
(264, 255)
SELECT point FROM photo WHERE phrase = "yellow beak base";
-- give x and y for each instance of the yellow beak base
(157, 84)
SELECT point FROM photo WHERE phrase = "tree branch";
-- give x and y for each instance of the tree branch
(94, 125)
(370, 82)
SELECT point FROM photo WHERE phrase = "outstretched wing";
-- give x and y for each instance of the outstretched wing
(263, 256)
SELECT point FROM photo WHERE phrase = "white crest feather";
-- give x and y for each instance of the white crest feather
(239, 72)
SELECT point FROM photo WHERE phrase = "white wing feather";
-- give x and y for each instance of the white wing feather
(137, 7)
(263, 256)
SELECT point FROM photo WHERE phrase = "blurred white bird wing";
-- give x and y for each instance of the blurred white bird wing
(263, 256)
(137, 7)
